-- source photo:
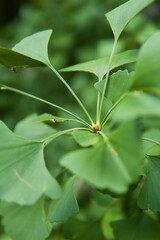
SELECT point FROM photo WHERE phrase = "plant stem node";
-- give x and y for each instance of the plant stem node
(96, 127)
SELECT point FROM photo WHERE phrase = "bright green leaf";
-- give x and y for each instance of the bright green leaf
(25, 222)
(137, 104)
(122, 15)
(35, 46)
(147, 69)
(113, 212)
(99, 67)
(112, 165)
(31, 129)
(140, 227)
(24, 177)
(150, 137)
(12, 59)
(66, 206)
(149, 197)
(86, 138)
(118, 84)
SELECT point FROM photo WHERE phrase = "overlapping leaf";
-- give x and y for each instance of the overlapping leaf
(137, 104)
(86, 138)
(32, 51)
(66, 206)
(24, 177)
(25, 222)
(147, 68)
(113, 164)
(31, 129)
(149, 197)
(118, 84)
(136, 228)
(99, 67)
(85, 230)
(122, 15)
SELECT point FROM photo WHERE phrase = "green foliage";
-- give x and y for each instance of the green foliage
(121, 16)
(111, 172)
(35, 226)
(99, 67)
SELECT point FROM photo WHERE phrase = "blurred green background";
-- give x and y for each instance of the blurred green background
(80, 33)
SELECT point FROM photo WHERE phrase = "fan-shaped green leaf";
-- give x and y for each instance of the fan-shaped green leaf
(112, 165)
(136, 228)
(137, 104)
(118, 84)
(32, 51)
(35, 46)
(122, 15)
(25, 222)
(99, 67)
(86, 138)
(66, 206)
(82, 229)
(24, 177)
(147, 69)
(33, 130)
(12, 59)
(149, 197)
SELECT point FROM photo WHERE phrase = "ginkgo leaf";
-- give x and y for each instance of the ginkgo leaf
(12, 59)
(32, 51)
(136, 228)
(99, 67)
(24, 177)
(147, 68)
(136, 104)
(66, 206)
(35, 46)
(86, 138)
(149, 197)
(113, 165)
(83, 229)
(122, 15)
(25, 222)
(118, 84)
(31, 129)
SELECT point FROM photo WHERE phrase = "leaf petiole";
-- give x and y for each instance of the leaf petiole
(106, 79)
(58, 134)
(71, 91)
(4, 87)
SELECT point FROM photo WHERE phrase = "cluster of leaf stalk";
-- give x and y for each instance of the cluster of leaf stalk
(116, 161)
(97, 124)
